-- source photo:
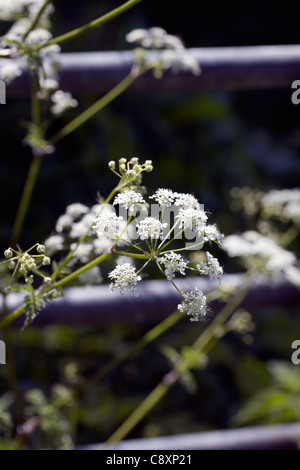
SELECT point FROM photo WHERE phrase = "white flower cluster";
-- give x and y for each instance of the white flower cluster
(263, 251)
(173, 262)
(150, 228)
(192, 219)
(194, 304)
(285, 203)
(128, 199)
(124, 276)
(166, 197)
(62, 100)
(23, 262)
(211, 267)
(170, 52)
(12, 9)
(107, 224)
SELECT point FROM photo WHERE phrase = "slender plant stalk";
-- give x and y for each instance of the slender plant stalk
(32, 173)
(81, 270)
(36, 18)
(93, 24)
(174, 375)
(95, 108)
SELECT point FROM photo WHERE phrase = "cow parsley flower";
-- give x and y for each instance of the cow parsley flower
(211, 233)
(150, 228)
(129, 199)
(164, 197)
(186, 201)
(10, 70)
(173, 262)
(170, 52)
(107, 224)
(62, 100)
(194, 304)
(211, 267)
(193, 219)
(124, 276)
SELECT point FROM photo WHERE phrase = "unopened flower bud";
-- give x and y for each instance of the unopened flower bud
(8, 253)
(40, 249)
(11, 265)
(112, 165)
(46, 261)
(47, 280)
(122, 161)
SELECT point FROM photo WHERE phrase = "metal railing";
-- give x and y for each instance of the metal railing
(233, 68)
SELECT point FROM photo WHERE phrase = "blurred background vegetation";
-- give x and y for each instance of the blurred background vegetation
(203, 142)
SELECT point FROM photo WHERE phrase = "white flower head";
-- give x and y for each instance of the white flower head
(10, 70)
(76, 209)
(212, 234)
(211, 267)
(54, 243)
(187, 201)
(124, 276)
(62, 100)
(38, 37)
(173, 262)
(164, 197)
(150, 228)
(194, 304)
(129, 199)
(107, 224)
(193, 219)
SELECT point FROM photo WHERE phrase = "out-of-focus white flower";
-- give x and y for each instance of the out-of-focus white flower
(82, 252)
(76, 209)
(10, 70)
(62, 101)
(129, 199)
(150, 228)
(255, 247)
(170, 52)
(164, 197)
(173, 262)
(38, 37)
(124, 277)
(211, 267)
(54, 244)
(194, 304)
(64, 222)
(193, 219)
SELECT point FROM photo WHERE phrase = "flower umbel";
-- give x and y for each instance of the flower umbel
(211, 267)
(173, 263)
(194, 304)
(124, 276)
(150, 228)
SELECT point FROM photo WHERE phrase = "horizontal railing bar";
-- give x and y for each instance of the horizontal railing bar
(282, 436)
(95, 305)
(233, 68)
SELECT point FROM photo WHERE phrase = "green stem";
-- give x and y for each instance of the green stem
(92, 110)
(12, 316)
(25, 198)
(36, 19)
(81, 270)
(32, 173)
(93, 24)
(152, 399)
(131, 255)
